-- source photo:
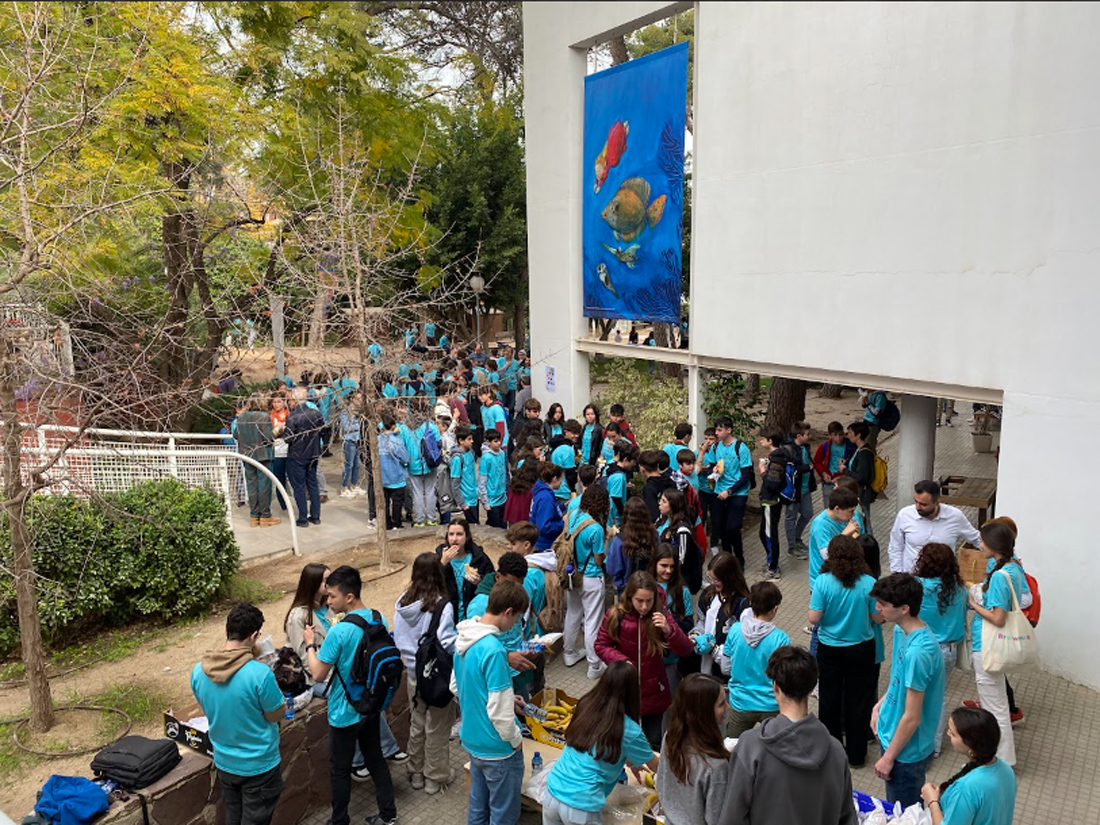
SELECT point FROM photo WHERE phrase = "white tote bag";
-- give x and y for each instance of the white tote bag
(1013, 648)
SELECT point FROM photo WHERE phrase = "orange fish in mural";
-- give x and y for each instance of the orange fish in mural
(612, 152)
(630, 210)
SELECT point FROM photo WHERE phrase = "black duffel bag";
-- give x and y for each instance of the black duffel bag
(136, 761)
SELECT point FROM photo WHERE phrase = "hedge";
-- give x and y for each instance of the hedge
(158, 549)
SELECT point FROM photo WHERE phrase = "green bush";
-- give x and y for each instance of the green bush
(655, 404)
(157, 549)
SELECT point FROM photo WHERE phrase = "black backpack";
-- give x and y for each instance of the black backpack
(376, 670)
(434, 663)
(889, 417)
(136, 761)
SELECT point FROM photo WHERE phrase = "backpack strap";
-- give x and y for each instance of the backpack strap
(583, 525)
(437, 617)
(362, 624)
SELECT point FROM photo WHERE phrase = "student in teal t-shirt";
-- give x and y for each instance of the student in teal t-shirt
(734, 458)
(906, 717)
(603, 735)
(346, 726)
(592, 435)
(611, 436)
(584, 605)
(842, 608)
(483, 684)
(243, 705)
(492, 479)
(464, 473)
(750, 643)
(618, 476)
(565, 456)
(984, 791)
(943, 609)
(1003, 577)
(681, 435)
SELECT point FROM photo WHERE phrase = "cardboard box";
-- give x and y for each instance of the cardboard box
(542, 734)
(971, 565)
(185, 734)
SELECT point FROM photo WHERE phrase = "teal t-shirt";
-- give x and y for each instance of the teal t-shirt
(985, 796)
(998, 595)
(494, 467)
(556, 429)
(535, 585)
(573, 505)
(917, 664)
(417, 466)
(582, 781)
(750, 691)
(464, 468)
(480, 671)
(846, 611)
(672, 450)
(491, 416)
(607, 451)
(338, 650)
(734, 457)
(510, 638)
(587, 544)
(616, 490)
(458, 567)
(948, 625)
(822, 530)
(586, 444)
(245, 744)
(564, 456)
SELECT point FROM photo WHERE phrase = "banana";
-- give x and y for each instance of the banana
(559, 709)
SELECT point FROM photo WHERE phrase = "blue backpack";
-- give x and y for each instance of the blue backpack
(376, 669)
(431, 451)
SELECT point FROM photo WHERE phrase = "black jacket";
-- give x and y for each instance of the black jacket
(480, 562)
(651, 492)
(862, 469)
(303, 430)
(804, 464)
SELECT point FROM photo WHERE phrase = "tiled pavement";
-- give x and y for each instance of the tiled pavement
(1058, 744)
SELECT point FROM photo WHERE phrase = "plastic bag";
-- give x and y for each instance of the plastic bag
(626, 805)
(913, 815)
(535, 787)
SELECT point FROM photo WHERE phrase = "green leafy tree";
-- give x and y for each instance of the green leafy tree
(655, 404)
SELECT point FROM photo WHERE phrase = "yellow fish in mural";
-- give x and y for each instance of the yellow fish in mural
(630, 211)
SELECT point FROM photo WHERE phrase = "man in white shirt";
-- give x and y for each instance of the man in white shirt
(925, 521)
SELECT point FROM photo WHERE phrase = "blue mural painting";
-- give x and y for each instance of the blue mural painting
(634, 187)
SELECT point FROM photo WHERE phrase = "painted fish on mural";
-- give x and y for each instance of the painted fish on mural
(628, 256)
(630, 211)
(605, 278)
(612, 152)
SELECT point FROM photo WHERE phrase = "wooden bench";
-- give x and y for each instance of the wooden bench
(970, 491)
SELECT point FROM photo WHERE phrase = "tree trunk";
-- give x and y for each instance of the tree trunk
(663, 336)
(317, 320)
(786, 403)
(384, 563)
(830, 391)
(752, 387)
(619, 54)
(519, 320)
(605, 325)
(15, 492)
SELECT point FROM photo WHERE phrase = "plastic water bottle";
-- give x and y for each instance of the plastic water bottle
(536, 763)
(535, 712)
(289, 706)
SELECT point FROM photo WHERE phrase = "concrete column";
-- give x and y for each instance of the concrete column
(696, 417)
(917, 445)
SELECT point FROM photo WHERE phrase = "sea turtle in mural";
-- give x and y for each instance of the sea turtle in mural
(629, 211)
(628, 256)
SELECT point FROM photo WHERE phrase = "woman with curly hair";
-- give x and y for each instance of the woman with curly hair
(634, 546)
(637, 630)
(943, 609)
(842, 607)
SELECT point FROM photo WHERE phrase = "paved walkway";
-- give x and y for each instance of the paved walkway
(1058, 744)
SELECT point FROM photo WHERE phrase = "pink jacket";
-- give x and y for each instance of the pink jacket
(631, 647)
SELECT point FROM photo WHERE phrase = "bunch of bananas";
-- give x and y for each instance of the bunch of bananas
(558, 716)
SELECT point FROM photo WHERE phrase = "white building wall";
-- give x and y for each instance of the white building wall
(922, 181)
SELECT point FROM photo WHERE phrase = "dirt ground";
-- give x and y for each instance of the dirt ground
(165, 665)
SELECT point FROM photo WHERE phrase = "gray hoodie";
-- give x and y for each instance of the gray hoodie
(753, 629)
(411, 621)
(789, 773)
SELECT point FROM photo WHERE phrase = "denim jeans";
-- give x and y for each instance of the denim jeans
(350, 476)
(799, 514)
(303, 478)
(278, 468)
(342, 743)
(495, 786)
(905, 782)
(251, 800)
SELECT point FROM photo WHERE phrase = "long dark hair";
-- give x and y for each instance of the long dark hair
(596, 502)
(981, 734)
(641, 580)
(676, 583)
(1000, 539)
(596, 412)
(845, 562)
(425, 583)
(524, 478)
(692, 728)
(468, 545)
(309, 582)
(677, 507)
(555, 407)
(727, 569)
(638, 535)
(598, 719)
(937, 561)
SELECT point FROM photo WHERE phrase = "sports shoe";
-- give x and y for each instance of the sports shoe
(416, 781)
(372, 523)
(400, 756)
(376, 819)
(431, 787)
(360, 774)
(972, 703)
(596, 672)
(270, 521)
(773, 575)
(809, 631)
(1016, 716)
(433, 523)
(455, 728)
(572, 658)
(419, 524)
(324, 499)
(359, 491)
(347, 494)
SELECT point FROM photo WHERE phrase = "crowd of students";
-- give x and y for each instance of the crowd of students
(685, 655)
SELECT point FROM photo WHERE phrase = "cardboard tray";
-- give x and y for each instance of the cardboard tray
(540, 733)
(179, 731)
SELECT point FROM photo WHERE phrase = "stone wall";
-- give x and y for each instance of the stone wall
(191, 795)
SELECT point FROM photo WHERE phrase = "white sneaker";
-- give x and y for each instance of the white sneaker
(571, 658)
(372, 524)
(347, 494)
(596, 672)
(359, 491)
